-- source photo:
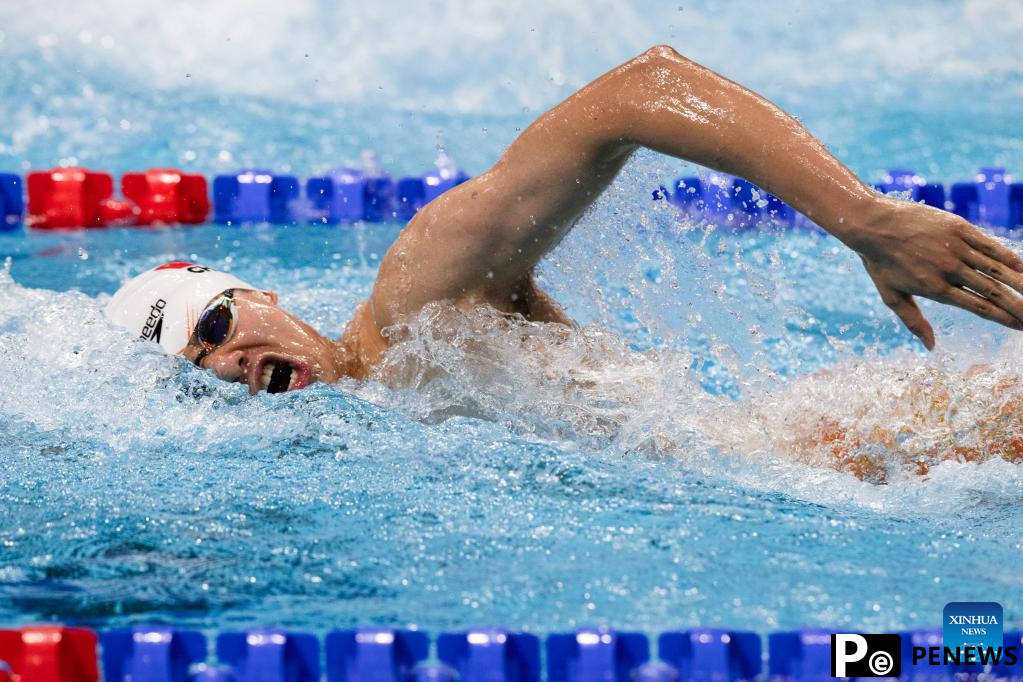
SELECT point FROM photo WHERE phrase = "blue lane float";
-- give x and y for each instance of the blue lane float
(991, 199)
(410, 196)
(445, 176)
(491, 655)
(595, 655)
(349, 195)
(374, 653)
(921, 191)
(154, 653)
(12, 202)
(1003, 670)
(271, 655)
(730, 201)
(254, 196)
(336, 197)
(709, 654)
(757, 204)
(800, 656)
(368, 194)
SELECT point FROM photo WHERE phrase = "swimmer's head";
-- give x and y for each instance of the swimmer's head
(221, 323)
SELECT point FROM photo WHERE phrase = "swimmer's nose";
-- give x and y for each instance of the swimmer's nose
(229, 365)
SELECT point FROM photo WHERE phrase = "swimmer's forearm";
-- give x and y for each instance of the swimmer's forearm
(685, 110)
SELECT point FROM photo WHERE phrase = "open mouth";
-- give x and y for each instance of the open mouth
(278, 376)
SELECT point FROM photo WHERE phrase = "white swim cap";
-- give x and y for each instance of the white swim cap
(163, 304)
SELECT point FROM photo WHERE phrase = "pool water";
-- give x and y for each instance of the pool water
(641, 471)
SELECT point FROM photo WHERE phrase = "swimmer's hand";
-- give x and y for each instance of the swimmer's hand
(914, 250)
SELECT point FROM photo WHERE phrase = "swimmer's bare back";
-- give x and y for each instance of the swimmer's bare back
(478, 243)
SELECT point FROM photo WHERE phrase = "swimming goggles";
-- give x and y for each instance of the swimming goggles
(216, 325)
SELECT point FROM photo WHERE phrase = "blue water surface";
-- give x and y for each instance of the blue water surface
(635, 472)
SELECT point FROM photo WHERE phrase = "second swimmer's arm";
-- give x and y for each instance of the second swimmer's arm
(483, 237)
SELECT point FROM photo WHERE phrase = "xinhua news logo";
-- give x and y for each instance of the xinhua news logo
(972, 624)
(866, 655)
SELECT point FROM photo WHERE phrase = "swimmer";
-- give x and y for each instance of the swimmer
(477, 244)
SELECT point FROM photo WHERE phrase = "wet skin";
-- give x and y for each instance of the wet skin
(478, 243)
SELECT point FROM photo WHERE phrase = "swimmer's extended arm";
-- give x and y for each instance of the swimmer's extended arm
(482, 239)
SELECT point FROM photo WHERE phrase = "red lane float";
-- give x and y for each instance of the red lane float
(166, 196)
(74, 197)
(50, 653)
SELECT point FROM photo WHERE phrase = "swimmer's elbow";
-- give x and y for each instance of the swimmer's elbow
(660, 53)
(660, 57)
(654, 69)
(646, 65)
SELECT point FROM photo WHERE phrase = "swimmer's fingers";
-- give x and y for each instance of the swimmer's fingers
(994, 269)
(907, 310)
(991, 248)
(978, 305)
(1001, 297)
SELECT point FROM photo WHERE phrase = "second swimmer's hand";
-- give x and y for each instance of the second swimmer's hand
(914, 250)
